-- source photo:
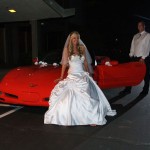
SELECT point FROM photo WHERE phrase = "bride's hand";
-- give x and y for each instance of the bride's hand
(91, 75)
(59, 79)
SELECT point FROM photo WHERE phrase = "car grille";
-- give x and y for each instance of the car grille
(11, 95)
(2, 99)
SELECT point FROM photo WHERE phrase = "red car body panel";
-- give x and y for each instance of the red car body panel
(29, 85)
(32, 85)
(119, 75)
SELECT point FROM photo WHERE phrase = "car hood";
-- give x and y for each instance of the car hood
(32, 76)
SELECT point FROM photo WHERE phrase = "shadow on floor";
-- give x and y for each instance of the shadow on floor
(122, 109)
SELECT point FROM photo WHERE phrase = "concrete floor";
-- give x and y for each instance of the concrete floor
(22, 128)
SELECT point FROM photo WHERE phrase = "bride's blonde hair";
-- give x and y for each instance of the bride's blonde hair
(70, 46)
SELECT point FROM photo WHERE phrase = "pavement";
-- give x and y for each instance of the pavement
(22, 128)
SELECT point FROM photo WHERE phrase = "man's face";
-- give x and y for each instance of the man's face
(141, 27)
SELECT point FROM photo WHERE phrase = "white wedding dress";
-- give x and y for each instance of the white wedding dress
(77, 100)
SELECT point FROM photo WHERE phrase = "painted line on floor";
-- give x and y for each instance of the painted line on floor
(7, 105)
(11, 111)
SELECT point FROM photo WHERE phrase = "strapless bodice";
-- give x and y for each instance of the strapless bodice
(76, 64)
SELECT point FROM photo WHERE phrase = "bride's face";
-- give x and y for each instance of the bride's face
(75, 39)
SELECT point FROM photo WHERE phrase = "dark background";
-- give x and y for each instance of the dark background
(106, 27)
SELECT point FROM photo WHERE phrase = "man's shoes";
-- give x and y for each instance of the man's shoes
(144, 93)
(125, 92)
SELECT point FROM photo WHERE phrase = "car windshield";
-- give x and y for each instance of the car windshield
(53, 57)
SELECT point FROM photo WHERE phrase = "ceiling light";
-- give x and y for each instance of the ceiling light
(12, 10)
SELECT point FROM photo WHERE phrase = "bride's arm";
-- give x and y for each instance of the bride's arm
(64, 66)
(85, 60)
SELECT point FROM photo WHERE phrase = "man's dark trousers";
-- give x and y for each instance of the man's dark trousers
(147, 75)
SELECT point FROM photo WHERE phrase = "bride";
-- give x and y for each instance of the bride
(77, 100)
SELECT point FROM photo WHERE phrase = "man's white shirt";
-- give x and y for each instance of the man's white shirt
(140, 46)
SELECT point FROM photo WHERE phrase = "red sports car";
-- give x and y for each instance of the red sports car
(32, 85)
